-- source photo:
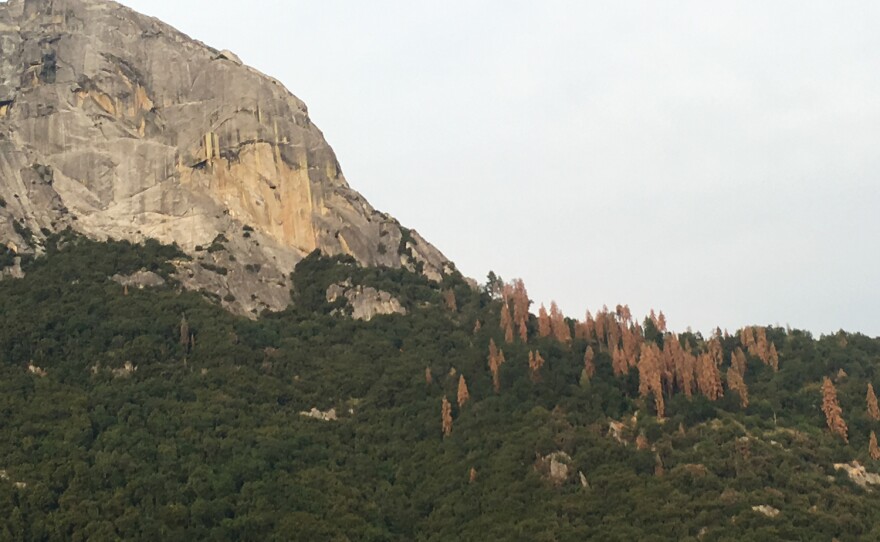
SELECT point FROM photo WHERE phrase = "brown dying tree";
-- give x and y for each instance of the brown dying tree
(544, 329)
(589, 365)
(873, 410)
(736, 383)
(709, 377)
(873, 450)
(446, 416)
(463, 394)
(650, 376)
(831, 408)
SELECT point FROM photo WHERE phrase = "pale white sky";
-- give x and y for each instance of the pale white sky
(719, 161)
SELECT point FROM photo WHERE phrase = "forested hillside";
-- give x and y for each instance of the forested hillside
(153, 414)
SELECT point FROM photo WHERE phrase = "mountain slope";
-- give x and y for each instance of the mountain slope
(112, 427)
(118, 126)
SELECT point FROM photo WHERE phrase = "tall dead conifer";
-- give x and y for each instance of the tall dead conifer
(463, 394)
(832, 410)
(446, 417)
(873, 410)
(544, 329)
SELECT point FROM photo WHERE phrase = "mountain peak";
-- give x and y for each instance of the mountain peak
(116, 125)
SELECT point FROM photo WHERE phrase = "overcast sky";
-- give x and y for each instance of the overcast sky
(718, 161)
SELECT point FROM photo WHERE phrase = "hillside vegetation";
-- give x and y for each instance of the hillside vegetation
(152, 414)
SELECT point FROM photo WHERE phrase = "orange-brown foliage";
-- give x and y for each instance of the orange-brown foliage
(618, 362)
(446, 417)
(496, 358)
(536, 361)
(661, 322)
(558, 325)
(506, 322)
(521, 309)
(449, 299)
(873, 450)
(738, 361)
(736, 383)
(463, 394)
(709, 377)
(773, 357)
(589, 365)
(649, 376)
(589, 327)
(544, 328)
(831, 408)
(873, 410)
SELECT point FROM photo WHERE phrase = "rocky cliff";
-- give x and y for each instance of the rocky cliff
(118, 126)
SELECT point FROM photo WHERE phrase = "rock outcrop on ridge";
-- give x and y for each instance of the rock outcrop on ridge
(118, 126)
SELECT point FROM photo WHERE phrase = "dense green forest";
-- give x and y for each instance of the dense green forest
(202, 437)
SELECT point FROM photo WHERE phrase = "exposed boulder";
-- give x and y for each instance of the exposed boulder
(365, 302)
(766, 510)
(556, 467)
(140, 280)
(327, 416)
(858, 474)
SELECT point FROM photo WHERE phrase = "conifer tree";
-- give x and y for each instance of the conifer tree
(477, 327)
(472, 475)
(686, 373)
(184, 332)
(578, 330)
(429, 378)
(446, 417)
(544, 329)
(521, 309)
(618, 362)
(506, 322)
(738, 361)
(589, 365)
(736, 383)
(612, 332)
(536, 361)
(716, 352)
(649, 376)
(831, 408)
(773, 358)
(709, 377)
(496, 360)
(873, 410)
(661, 322)
(747, 338)
(495, 365)
(493, 352)
(449, 299)
(558, 325)
(589, 327)
(463, 395)
(630, 338)
(667, 364)
(873, 450)
(599, 326)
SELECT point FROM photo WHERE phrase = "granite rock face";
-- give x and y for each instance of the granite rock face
(118, 126)
(365, 302)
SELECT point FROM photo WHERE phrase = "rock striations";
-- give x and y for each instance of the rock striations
(118, 126)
